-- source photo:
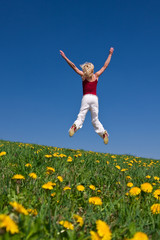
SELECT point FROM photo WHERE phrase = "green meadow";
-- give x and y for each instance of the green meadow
(56, 193)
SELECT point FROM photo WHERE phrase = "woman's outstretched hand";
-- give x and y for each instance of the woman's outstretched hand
(62, 53)
(111, 50)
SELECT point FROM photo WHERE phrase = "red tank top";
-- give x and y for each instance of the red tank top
(89, 87)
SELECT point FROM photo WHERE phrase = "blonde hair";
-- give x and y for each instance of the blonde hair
(88, 69)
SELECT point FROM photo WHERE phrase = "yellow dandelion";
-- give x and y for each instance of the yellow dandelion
(134, 191)
(146, 187)
(2, 154)
(79, 219)
(155, 208)
(7, 223)
(60, 178)
(48, 156)
(118, 183)
(107, 162)
(18, 176)
(140, 236)
(28, 165)
(51, 183)
(148, 176)
(128, 177)
(80, 188)
(67, 225)
(103, 230)
(95, 200)
(156, 178)
(94, 236)
(62, 155)
(18, 208)
(33, 175)
(53, 194)
(32, 211)
(92, 187)
(130, 184)
(69, 159)
(56, 154)
(118, 167)
(50, 170)
(124, 170)
(66, 188)
(48, 185)
(156, 194)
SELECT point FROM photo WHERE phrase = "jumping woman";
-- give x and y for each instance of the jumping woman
(89, 99)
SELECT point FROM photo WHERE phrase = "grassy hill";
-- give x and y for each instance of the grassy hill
(55, 193)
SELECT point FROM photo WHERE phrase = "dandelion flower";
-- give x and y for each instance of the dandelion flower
(118, 167)
(140, 236)
(94, 236)
(33, 175)
(156, 178)
(155, 208)
(67, 225)
(28, 165)
(146, 187)
(48, 156)
(80, 188)
(118, 183)
(95, 200)
(50, 170)
(124, 169)
(134, 191)
(92, 187)
(18, 208)
(148, 176)
(69, 159)
(156, 194)
(18, 176)
(103, 230)
(130, 184)
(66, 188)
(8, 223)
(79, 219)
(32, 211)
(128, 177)
(48, 185)
(53, 194)
(2, 154)
(60, 178)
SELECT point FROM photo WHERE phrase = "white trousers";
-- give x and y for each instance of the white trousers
(90, 102)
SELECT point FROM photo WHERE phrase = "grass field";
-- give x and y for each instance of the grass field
(54, 193)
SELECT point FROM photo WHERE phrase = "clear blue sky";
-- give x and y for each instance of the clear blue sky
(40, 94)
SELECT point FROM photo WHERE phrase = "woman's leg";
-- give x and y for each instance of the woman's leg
(98, 127)
(82, 113)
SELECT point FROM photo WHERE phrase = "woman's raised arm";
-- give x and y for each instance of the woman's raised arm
(72, 65)
(106, 63)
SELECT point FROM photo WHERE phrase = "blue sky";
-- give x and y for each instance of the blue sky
(40, 94)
